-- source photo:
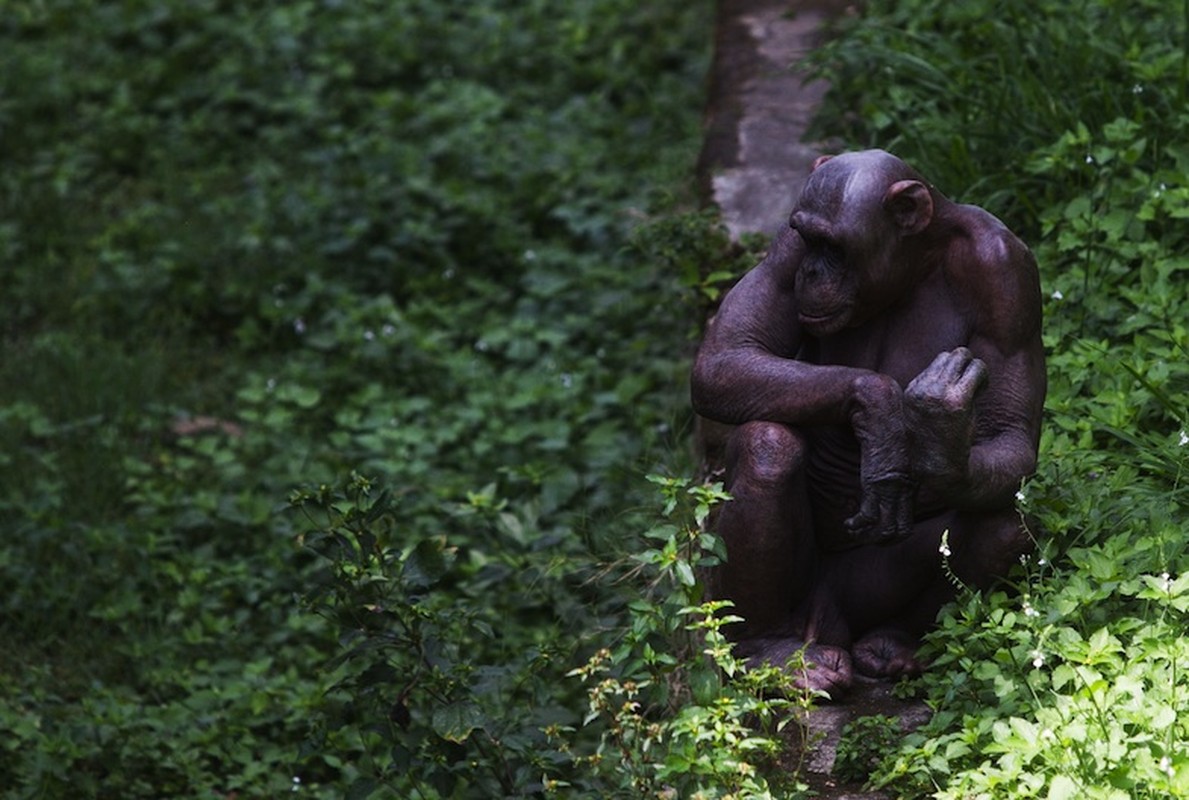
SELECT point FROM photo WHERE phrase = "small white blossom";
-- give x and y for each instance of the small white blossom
(1166, 581)
(369, 335)
(1020, 496)
(1166, 767)
(1137, 89)
(388, 330)
(1089, 159)
(1029, 611)
(299, 326)
(1057, 295)
(1184, 440)
(944, 548)
(1038, 659)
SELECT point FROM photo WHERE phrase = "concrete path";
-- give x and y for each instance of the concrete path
(753, 162)
(752, 166)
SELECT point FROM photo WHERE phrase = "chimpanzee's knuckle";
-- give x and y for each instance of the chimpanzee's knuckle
(956, 400)
(929, 392)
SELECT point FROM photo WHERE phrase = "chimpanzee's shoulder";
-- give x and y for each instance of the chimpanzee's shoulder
(997, 275)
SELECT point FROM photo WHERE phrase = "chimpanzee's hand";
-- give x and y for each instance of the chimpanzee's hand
(885, 506)
(885, 512)
(939, 411)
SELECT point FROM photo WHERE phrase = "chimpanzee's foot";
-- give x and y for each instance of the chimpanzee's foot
(887, 653)
(818, 667)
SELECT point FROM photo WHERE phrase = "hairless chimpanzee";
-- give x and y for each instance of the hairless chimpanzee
(884, 367)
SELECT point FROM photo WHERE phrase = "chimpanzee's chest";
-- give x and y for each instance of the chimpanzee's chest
(900, 341)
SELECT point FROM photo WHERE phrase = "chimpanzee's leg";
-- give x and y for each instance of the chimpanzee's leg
(766, 526)
(891, 595)
(771, 555)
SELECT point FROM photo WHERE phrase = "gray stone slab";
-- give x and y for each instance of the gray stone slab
(754, 161)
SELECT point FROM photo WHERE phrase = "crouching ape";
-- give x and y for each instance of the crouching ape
(884, 367)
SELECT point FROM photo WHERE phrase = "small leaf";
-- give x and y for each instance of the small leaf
(361, 789)
(455, 722)
(1062, 788)
(427, 563)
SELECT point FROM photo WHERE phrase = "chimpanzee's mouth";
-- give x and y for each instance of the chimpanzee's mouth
(823, 320)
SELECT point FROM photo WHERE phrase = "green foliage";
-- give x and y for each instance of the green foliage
(696, 246)
(1067, 683)
(679, 715)
(434, 698)
(253, 246)
(442, 689)
(863, 744)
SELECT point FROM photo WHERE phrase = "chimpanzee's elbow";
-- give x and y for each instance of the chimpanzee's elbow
(707, 390)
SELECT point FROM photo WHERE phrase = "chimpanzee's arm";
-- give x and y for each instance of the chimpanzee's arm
(746, 367)
(746, 370)
(974, 451)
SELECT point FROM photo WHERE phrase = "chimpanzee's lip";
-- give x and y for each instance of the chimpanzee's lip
(817, 320)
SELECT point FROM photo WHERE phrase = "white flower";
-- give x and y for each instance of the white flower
(1089, 159)
(299, 326)
(1029, 611)
(1184, 440)
(1166, 767)
(1038, 659)
(369, 335)
(1020, 496)
(944, 547)
(1057, 295)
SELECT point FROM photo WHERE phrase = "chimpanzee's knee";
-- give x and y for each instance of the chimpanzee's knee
(993, 544)
(764, 454)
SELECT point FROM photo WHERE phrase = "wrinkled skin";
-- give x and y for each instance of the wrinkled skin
(884, 368)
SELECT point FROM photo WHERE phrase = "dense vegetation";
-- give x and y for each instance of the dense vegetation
(338, 339)
(372, 254)
(1068, 120)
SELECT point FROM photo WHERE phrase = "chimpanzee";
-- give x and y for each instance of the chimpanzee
(884, 366)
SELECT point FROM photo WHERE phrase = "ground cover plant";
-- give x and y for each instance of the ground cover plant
(337, 341)
(1067, 120)
(338, 338)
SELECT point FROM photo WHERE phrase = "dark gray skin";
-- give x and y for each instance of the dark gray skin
(885, 370)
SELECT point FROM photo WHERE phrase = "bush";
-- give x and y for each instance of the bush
(255, 246)
(1063, 684)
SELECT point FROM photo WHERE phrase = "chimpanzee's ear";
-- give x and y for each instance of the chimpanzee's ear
(910, 204)
(819, 161)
